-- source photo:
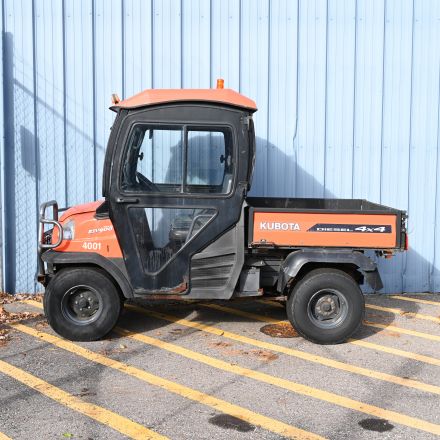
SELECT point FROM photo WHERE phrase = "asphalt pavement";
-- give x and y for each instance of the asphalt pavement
(223, 370)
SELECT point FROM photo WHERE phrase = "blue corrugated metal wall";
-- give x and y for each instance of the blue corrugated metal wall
(347, 90)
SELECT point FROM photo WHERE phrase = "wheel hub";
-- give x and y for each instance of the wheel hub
(326, 307)
(81, 304)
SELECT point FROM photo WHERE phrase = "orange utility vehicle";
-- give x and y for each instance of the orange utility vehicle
(176, 223)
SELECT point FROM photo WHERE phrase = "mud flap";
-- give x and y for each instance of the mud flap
(373, 279)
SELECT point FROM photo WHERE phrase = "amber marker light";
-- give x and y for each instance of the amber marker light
(115, 99)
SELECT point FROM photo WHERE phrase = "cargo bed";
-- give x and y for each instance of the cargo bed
(340, 223)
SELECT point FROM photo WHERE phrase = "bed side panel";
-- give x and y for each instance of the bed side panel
(297, 229)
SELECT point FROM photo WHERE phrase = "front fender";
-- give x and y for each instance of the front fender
(297, 259)
(114, 267)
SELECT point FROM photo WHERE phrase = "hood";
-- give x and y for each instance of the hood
(81, 209)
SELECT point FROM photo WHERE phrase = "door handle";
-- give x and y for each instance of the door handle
(127, 200)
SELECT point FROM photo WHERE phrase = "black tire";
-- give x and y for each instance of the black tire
(326, 306)
(82, 303)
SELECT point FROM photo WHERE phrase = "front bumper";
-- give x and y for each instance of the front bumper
(43, 242)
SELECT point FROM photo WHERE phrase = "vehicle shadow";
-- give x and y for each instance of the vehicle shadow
(200, 312)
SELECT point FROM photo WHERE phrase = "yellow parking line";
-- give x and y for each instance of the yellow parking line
(365, 344)
(403, 313)
(339, 365)
(223, 406)
(109, 418)
(370, 324)
(291, 386)
(385, 309)
(403, 330)
(416, 300)
(396, 351)
(256, 375)
(4, 437)
(305, 390)
(243, 314)
(403, 353)
(271, 303)
(267, 319)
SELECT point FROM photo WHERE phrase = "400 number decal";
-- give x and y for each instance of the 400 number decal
(91, 246)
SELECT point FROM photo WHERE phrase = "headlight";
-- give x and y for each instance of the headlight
(69, 230)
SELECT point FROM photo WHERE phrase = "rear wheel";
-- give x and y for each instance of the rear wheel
(82, 304)
(326, 306)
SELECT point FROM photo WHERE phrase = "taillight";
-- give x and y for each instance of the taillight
(406, 242)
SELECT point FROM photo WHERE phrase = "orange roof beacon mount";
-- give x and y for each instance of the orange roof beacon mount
(176, 222)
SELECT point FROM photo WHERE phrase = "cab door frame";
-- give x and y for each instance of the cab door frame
(174, 277)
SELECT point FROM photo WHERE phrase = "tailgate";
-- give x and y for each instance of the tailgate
(281, 228)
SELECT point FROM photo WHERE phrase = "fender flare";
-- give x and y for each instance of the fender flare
(81, 258)
(297, 259)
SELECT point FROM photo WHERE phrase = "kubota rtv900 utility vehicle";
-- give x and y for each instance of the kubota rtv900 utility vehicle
(176, 222)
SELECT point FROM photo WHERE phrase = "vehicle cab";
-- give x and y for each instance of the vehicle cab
(177, 168)
(176, 223)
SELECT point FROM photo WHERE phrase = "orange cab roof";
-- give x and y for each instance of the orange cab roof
(162, 96)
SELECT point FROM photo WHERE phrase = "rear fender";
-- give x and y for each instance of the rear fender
(297, 259)
(114, 267)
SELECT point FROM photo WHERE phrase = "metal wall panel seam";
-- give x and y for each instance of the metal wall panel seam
(240, 6)
(2, 147)
(94, 111)
(405, 264)
(435, 272)
(210, 42)
(66, 195)
(36, 159)
(382, 106)
(152, 74)
(152, 44)
(354, 93)
(295, 129)
(325, 99)
(435, 278)
(383, 92)
(5, 123)
(7, 131)
(123, 47)
(269, 40)
(181, 44)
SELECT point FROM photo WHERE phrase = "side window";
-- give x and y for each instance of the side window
(209, 161)
(185, 159)
(153, 160)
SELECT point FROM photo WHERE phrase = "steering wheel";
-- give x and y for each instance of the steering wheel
(146, 183)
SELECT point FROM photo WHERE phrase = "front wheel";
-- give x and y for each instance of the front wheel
(82, 303)
(326, 306)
